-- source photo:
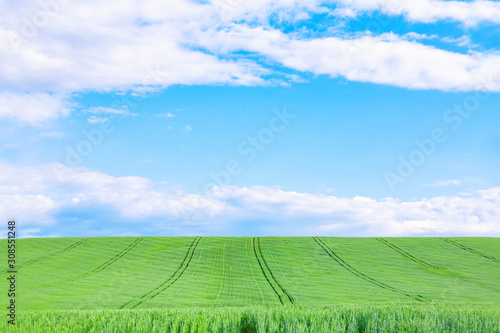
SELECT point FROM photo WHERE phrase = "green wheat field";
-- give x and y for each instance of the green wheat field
(256, 284)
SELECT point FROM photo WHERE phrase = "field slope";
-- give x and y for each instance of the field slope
(176, 272)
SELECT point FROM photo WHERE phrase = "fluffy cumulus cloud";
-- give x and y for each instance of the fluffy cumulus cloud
(53, 48)
(93, 45)
(65, 47)
(36, 108)
(37, 196)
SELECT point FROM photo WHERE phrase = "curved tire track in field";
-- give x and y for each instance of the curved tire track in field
(32, 261)
(290, 297)
(406, 254)
(363, 276)
(264, 270)
(476, 252)
(170, 281)
(432, 268)
(109, 262)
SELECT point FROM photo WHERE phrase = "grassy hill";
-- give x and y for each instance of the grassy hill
(124, 274)
(158, 272)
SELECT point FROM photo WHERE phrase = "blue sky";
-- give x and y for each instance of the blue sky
(350, 118)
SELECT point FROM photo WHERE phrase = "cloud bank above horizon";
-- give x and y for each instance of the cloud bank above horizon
(47, 195)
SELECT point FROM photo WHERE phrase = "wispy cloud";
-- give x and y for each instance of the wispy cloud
(106, 110)
(444, 183)
(416, 36)
(10, 145)
(166, 115)
(52, 135)
(97, 120)
(463, 41)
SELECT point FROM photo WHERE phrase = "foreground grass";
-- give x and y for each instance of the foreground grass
(343, 318)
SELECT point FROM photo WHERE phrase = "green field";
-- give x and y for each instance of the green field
(304, 281)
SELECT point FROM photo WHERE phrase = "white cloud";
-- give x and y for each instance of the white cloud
(10, 145)
(52, 135)
(106, 110)
(187, 128)
(260, 10)
(427, 11)
(383, 59)
(97, 120)
(463, 41)
(93, 45)
(98, 46)
(444, 183)
(29, 209)
(166, 115)
(416, 36)
(34, 108)
(36, 195)
(109, 113)
(30, 232)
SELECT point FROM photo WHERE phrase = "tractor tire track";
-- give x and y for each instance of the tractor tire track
(170, 281)
(35, 260)
(471, 250)
(264, 273)
(406, 254)
(290, 297)
(109, 262)
(363, 276)
(432, 268)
